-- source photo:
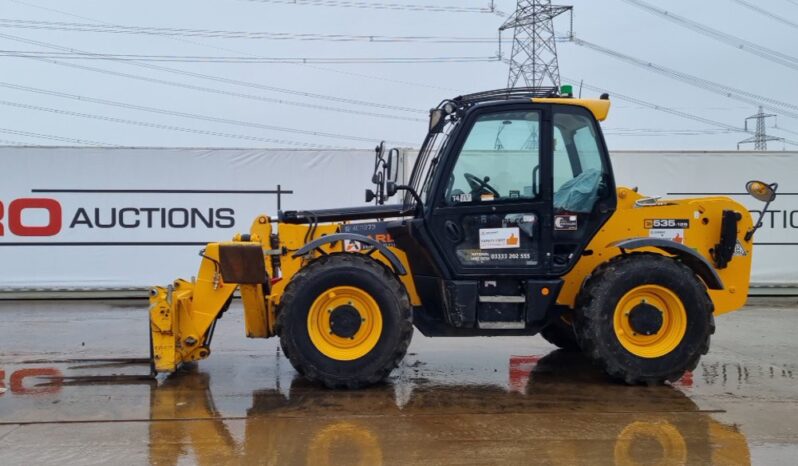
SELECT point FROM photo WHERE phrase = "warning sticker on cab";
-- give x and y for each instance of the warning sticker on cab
(499, 238)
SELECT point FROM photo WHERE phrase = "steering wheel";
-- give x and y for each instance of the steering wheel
(477, 185)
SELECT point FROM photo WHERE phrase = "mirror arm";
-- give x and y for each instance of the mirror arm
(393, 188)
(750, 233)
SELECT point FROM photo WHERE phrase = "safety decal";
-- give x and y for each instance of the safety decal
(485, 197)
(673, 234)
(499, 238)
(739, 250)
(352, 246)
(565, 222)
(663, 223)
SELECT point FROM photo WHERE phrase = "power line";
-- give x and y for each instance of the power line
(10, 142)
(234, 82)
(766, 13)
(210, 90)
(52, 137)
(238, 60)
(664, 132)
(349, 73)
(380, 6)
(221, 34)
(785, 130)
(672, 111)
(147, 124)
(620, 97)
(711, 86)
(377, 78)
(182, 114)
(728, 39)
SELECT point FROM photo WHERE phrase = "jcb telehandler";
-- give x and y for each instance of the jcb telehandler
(511, 224)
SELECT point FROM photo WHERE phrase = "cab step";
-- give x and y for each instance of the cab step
(503, 299)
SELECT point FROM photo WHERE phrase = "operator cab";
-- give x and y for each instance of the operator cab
(513, 185)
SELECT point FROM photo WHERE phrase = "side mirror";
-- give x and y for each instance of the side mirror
(392, 165)
(390, 188)
(762, 191)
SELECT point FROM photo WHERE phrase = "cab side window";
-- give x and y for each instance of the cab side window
(578, 167)
(499, 161)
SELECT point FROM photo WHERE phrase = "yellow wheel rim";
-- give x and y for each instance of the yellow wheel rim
(321, 324)
(670, 333)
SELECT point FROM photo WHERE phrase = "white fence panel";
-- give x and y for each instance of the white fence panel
(101, 218)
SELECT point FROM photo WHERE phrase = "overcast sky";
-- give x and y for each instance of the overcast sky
(263, 120)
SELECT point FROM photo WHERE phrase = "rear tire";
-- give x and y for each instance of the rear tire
(560, 333)
(345, 320)
(645, 318)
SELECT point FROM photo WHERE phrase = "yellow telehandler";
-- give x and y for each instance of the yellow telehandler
(511, 224)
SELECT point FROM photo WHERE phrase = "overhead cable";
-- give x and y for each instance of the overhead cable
(200, 44)
(728, 39)
(148, 124)
(238, 60)
(767, 13)
(221, 34)
(665, 109)
(51, 137)
(235, 82)
(183, 114)
(705, 84)
(380, 5)
(10, 142)
(211, 90)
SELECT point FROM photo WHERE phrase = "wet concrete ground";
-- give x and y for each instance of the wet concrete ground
(453, 401)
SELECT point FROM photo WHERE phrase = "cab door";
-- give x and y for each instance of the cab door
(491, 205)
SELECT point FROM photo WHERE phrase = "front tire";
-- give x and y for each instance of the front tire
(345, 321)
(645, 318)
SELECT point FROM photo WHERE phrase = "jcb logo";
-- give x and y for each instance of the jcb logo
(12, 218)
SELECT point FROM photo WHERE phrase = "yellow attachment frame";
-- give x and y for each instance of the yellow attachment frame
(183, 314)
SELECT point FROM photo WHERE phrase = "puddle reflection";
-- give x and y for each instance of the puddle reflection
(558, 410)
